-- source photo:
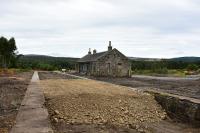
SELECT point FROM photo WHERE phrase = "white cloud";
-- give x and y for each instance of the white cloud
(156, 28)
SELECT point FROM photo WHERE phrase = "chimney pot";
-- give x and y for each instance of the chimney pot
(110, 46)
(89, 51)
(94, 51)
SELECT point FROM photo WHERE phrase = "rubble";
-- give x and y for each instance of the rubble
(91, 102)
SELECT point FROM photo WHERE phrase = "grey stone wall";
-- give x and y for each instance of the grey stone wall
(113, 64)
(183, 110)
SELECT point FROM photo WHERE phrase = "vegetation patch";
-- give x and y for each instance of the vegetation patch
(166, 67)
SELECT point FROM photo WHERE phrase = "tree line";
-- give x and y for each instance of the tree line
(9, 58)
(46, 62)
(164, 65)
(8, 52)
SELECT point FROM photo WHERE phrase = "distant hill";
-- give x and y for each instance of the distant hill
(183, 59)
(34, 55)
(73, 59)
(47, 58)
(43, 62)
(144, 59)
(186, 59)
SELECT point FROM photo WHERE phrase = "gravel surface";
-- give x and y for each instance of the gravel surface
(188, 88)
(12, 91)
(53, 75)
(99, 107)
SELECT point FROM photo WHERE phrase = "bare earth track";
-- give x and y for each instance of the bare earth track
(182, 87)
(12, 91)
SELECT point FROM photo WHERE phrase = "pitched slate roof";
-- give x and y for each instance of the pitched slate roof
(92, 57)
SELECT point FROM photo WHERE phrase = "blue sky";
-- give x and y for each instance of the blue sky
(138, 28)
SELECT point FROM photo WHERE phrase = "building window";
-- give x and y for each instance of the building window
(108, 67)
(94, 67)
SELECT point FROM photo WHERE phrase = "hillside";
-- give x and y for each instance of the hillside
(186, 59)
(183, 59)
(48, 58)
(143, 59)
(47, 62)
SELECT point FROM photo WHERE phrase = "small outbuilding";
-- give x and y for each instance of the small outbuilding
(108, 63)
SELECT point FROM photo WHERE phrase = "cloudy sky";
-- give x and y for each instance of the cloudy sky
(138, 28)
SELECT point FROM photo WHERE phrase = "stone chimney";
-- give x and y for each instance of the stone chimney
(110, 46)
(89, 51)
(94, 51)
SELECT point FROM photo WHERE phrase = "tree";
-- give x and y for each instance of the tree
(3, 44)
(192, 67)
(7, 51)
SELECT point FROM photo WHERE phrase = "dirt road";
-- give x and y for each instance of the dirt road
(182, 87)
(196, 77)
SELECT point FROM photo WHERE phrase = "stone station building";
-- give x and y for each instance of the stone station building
(110, 63)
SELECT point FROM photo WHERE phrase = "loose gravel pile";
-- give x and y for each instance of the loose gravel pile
(91, 102)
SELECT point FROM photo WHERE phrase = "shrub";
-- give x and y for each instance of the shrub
(161, 71)
(192, 67)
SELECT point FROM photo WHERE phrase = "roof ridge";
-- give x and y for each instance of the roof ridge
(92, 57)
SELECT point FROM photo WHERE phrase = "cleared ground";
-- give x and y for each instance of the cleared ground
(52, 75)
(182, 87)
(12, 91)
(85, 105)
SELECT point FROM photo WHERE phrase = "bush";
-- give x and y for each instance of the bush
(160, 71)
(192, 67)
(46, 67)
